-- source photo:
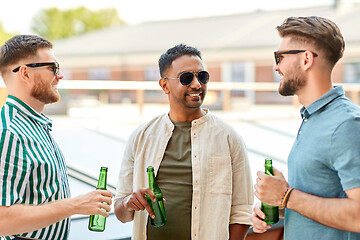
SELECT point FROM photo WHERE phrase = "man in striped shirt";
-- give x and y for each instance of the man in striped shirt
(34, 189)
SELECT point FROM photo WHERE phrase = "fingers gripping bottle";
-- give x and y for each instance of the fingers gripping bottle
(158, 206)
(271, 212)
(97, 222)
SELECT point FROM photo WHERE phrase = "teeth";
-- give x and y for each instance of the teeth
(194, 94)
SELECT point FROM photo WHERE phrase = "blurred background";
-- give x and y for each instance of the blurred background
(108, 52)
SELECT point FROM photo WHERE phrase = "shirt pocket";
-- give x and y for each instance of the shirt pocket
(220, 175)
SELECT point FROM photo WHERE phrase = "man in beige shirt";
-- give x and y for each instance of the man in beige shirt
(200, 162)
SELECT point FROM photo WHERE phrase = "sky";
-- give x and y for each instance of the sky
(16, 15)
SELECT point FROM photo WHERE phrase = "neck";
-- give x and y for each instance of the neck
(37, 105)
(317, 85)
(186, 116)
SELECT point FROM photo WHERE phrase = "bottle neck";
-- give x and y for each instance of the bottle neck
(152, 180)
(269, 168)
(102, 180)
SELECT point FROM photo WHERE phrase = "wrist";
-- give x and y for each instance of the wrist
(70, 205)
(286, 197)
(290, 203)
(124, 202)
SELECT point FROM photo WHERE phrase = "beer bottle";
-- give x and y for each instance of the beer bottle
(158, 206)
(97, 222)
(271, 212)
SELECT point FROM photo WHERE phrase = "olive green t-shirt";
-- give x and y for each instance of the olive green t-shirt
(174, 178)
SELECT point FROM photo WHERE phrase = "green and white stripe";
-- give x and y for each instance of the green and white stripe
(32, 167)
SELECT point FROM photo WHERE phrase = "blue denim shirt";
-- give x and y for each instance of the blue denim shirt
(324, 160)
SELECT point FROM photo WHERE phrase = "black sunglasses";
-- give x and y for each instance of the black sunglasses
(278, 53)
(54, 66)
(187, 77)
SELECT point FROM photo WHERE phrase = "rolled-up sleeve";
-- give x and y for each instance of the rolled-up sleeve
(124, 184)
(242, 194)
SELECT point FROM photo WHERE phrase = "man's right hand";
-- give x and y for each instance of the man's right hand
(257, 219)
(21, 218)
(137, 201)
(93, 203)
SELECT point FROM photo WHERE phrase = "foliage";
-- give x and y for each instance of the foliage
(53, 23)
(4, 36)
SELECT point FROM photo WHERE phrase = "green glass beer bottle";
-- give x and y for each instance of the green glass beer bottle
(271, 212)
(157, 207)
(97, 222)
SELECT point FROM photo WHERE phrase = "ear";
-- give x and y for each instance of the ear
(164, 85)
(24, 73)
(308, 60)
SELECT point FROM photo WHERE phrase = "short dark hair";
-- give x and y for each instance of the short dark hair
(173, 53)
(21, 47)
(322, 33)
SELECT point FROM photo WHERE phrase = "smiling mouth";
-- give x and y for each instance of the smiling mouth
(195, 94)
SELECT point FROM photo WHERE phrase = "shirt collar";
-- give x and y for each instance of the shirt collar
(336, 92)
(202, 119)
(196, 121)
(29, 111)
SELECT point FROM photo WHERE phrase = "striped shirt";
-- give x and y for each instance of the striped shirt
(32, 167)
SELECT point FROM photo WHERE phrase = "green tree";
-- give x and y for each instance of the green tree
(53, 23)
(4, 36)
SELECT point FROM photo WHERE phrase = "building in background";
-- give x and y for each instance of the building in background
(236, 48)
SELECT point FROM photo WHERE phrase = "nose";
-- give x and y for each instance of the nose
(195, 82)
(276, 67)
(59, 75)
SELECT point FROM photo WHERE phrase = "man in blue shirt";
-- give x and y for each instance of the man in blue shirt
(322, 198)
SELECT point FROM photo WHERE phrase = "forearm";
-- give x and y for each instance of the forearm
(21, 218)
(121, 213)
(238, 231)
(339, 213)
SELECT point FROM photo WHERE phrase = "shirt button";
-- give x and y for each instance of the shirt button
(299, 132)
(305, 120)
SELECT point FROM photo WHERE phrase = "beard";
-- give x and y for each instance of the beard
(44, 92)
(293, 82)
(195, 103)
(187, 102)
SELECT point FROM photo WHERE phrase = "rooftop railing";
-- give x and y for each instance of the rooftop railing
(141, 86)
(225, 87)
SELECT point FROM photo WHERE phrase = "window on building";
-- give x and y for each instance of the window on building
(238, 74)
(99, 74)
(352, 73)
(152, 73)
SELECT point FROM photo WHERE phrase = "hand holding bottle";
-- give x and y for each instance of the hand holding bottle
(137, 201)
(257, 220)
(91, 203)
(271, 189)
(157, 206)
(97, 222)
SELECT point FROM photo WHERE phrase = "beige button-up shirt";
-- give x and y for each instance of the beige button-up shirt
(222, 185)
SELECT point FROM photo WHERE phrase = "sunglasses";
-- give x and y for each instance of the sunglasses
(54, 66)
(277, 54)
(186, 78)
